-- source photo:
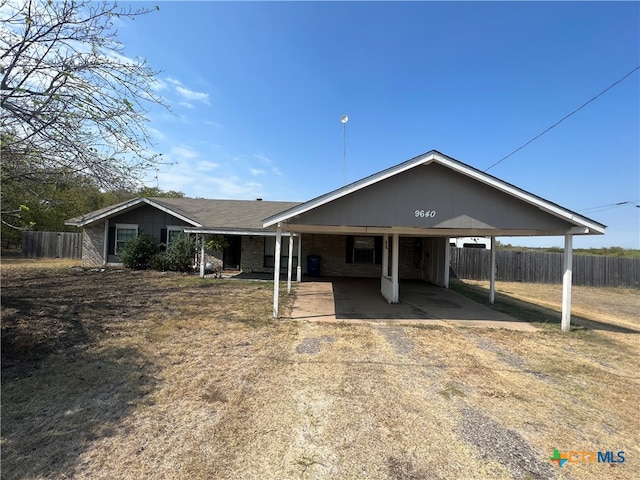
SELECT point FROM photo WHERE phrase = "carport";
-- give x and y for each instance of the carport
(355, 300)
(431, 197)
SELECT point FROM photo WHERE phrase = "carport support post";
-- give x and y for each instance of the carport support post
(202, 256)
(395, 249)
(566, 283)
(299, 269)
(492, 274)
(290, 264)
(276, 271)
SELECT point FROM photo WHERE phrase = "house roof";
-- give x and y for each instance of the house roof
(205, 215)
(252, 216)
(583, 224)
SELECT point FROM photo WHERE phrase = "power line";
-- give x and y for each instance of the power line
(565, 117)
(609, 206)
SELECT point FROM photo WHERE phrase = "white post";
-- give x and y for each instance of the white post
(202, 258)
(290, 264)
(276, 271)
(566, 283)
(395, 249)
(299, 268)
(492, 273)
(447, 261)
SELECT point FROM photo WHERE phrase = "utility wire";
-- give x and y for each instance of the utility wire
(565, 117)
(612, 205)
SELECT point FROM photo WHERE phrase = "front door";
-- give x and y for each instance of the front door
(231, 254)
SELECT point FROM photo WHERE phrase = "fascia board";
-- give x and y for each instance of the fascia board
(223, 231)
(107, 213)
(171, 212)
(431, 232)
(126, 206)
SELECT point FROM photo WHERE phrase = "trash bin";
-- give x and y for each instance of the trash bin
(313, 265)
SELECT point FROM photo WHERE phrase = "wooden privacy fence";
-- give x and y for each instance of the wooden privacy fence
(52, 244)
(542, 267)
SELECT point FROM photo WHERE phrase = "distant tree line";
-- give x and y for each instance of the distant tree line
(46, 206)
(603, 251)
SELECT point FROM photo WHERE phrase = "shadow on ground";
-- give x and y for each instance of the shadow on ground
(531, 312)
(63, 385)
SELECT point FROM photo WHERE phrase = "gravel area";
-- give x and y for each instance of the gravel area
(504, 355)
(398, 339)
(313, 345)
(503, 445)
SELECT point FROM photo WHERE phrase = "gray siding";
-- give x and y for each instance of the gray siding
(459, 202)
(148, 218)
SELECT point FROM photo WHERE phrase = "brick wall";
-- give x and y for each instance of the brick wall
(332, 252)
(93, 245)
(252, 256)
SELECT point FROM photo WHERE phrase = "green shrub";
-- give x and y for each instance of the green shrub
(161, 262)
(182, 252)
(179, 257)
(138, 252)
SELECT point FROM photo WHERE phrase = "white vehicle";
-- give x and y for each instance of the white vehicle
(471, 242)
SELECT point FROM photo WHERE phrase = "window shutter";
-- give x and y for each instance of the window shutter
(163, 235)
(349, 253)
(111, 241)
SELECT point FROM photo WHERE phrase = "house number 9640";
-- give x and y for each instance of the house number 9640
(425, 213)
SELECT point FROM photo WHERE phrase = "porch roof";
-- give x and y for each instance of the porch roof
(367, 205)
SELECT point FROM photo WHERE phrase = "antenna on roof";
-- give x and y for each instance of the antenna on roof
(344, 121)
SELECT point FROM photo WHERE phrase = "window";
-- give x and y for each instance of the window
(270, 250)
(124, 233)
(172, 234)
(474, 245)
(362, 249)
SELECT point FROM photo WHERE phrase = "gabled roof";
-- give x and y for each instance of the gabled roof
(433, 156)
(202, 214)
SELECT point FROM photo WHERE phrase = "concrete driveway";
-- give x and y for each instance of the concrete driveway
(359, 299)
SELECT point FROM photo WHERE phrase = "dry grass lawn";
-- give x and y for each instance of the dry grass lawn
(135, 375)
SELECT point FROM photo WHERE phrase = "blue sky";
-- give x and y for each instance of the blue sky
(257, 91)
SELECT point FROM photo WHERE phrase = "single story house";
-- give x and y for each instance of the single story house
(395, 224)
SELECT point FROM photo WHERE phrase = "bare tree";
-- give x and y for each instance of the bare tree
(71, 101)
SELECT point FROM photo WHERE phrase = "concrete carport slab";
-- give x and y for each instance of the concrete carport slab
(359, 300)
